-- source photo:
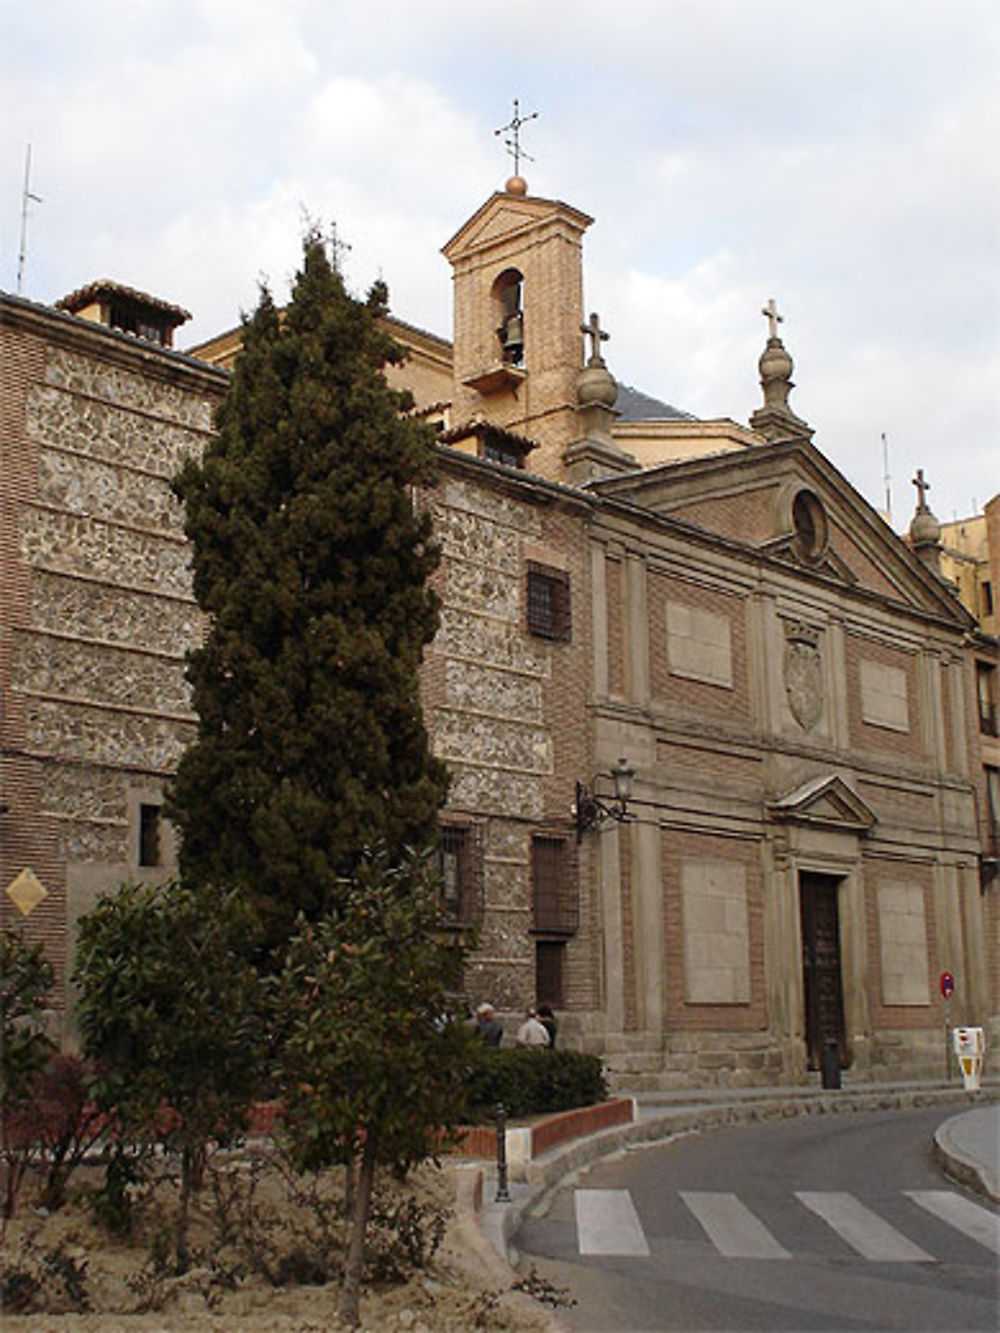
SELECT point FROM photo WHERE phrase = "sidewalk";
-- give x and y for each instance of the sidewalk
(966, 1146)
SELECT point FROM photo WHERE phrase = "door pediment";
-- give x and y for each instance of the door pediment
(828, 802)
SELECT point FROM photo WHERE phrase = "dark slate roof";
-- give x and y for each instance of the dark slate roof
(632, 405)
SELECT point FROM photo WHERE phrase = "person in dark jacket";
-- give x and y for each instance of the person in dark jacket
(548, 1021)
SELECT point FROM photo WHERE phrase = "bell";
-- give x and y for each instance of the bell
(513, 337)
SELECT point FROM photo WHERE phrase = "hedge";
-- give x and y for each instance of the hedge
(530, 1081)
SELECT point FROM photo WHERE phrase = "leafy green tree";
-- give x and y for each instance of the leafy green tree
(311, 558)
(26, 981)
(373, 1069)
(170, 1010)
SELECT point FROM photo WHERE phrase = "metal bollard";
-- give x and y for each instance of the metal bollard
(830, 1063)
(503, 1194)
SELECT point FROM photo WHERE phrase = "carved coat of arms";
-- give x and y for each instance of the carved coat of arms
(804, 674)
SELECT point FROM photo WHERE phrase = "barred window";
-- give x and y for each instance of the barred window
(556, 903)
(548, 602)
(459, 868)
(150, 853)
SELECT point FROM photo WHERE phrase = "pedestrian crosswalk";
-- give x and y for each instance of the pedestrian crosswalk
(608, 1224)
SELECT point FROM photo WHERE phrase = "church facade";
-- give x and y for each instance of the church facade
(705, 610)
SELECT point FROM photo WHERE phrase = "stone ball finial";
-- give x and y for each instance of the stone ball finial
(596, 384)
(775, 366)
(516, 185)
(925, 530)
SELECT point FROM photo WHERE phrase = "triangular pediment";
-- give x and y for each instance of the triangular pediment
(827, 801)
(751, 497)
(506, 215)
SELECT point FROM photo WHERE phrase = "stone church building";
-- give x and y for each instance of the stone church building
(721, 773)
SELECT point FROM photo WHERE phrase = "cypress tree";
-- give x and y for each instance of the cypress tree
(311, 560)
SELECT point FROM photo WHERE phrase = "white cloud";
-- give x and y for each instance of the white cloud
(838, 155)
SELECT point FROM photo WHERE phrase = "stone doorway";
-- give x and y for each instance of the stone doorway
(821, 974)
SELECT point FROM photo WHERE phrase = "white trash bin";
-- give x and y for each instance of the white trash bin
(970, 1047)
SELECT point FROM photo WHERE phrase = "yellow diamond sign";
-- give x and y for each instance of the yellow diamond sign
(26, 891)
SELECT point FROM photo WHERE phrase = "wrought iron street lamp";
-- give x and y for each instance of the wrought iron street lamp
(592, 809)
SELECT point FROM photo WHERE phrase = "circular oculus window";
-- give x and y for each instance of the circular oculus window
(809, 525)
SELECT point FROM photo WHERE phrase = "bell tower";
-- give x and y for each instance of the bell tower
(518, 303)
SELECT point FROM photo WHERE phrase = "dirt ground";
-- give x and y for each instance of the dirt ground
(261, 1241)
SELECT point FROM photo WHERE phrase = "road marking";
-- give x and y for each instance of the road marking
(607, 1223)
(732, 1227)
(863, 1230)
(972, 1219)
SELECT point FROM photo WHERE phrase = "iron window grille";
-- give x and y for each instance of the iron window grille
(459, 863)
(548, 602)
(555, 898)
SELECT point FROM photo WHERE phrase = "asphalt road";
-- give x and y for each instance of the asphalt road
(821, 1223)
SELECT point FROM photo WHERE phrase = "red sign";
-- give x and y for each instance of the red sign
(947, 984)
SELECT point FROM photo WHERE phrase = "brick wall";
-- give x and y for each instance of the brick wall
(864, 735)
(679, 691)
(900, 1017)
(682, 1016)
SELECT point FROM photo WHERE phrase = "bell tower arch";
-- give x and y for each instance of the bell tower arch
(518, 301)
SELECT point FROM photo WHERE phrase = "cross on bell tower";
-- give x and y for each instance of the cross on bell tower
(513, 144)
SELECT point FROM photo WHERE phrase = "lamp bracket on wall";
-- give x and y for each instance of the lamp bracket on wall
(592, 808)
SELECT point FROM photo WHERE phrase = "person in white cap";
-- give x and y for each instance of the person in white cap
(488, 1025)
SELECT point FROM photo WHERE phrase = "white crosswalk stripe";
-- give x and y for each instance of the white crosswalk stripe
(732, 1227)
(862, 1229)
(970, 1218)
(607, 1223)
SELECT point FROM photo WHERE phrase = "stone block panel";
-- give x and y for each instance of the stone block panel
(477, 541)
(110, 432)
(490, 642)
(489, 741)
(100, 379)
(114, 615)
(105, 490)
(506, 885)
(495, 509)
(83, 793)
(71, 542)
(903, 944)
(495, 791)
(96, 735)
(50, 665)
(494, 592)
(468, 685)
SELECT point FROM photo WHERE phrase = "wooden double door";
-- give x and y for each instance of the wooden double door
(821, 972)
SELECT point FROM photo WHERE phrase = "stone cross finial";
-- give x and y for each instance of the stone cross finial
(922, 488)
(592, 329)
(513, 144)
(773, 318)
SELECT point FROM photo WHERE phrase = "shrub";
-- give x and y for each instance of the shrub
(530, 1081)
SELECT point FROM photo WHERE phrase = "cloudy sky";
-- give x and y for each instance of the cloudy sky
(842, 156)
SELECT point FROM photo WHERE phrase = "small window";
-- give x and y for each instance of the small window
(986, 594)
(550, 957)
(548, 602)
(150, 853)
(986, 690)
(555, 900)
(507, 454)
(458, 866)
(809, 524)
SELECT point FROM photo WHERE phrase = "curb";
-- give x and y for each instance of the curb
(975, 1176)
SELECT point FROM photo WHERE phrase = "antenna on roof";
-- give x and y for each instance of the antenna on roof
(26, 197)
(885, 479)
